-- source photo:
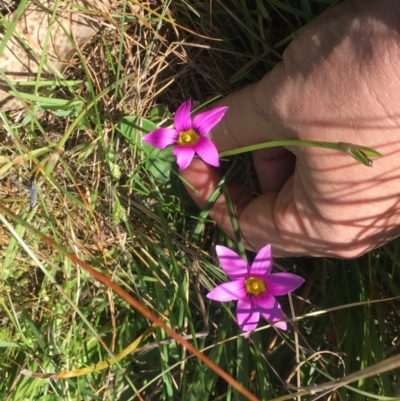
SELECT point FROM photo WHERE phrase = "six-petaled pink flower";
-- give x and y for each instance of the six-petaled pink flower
(189, 136)
(254, 287)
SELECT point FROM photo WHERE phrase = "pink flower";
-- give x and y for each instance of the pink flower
(254, 287)
(189, 137)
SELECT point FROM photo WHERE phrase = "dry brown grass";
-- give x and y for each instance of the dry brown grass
(184, 56)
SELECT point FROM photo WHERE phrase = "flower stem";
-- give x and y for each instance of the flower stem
(358, 152)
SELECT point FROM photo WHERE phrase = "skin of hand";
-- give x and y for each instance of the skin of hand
(339, 81)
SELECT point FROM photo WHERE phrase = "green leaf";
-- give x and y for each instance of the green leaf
(159, 162)
(160, 111)
(133, 128)
(9, 345)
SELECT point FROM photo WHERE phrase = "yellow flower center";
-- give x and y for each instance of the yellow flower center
(255, 286)
(187, 138)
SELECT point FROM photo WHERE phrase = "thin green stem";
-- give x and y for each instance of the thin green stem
(358, 152)
(340, 146)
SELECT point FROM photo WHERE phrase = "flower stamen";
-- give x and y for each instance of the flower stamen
(255, 286)
(188, 137)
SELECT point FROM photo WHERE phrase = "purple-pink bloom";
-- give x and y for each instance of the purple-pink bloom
(189, 136)
(254, 287)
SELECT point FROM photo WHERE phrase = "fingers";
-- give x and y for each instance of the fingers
(274, 167)
(271, 218)
(352, 210)
(286, 219)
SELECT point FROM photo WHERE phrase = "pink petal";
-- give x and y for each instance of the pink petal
(270, 309)
(207, 151)
(161, 137)
(184, 155)
(182, 120)
(232, 264)
(262, 263)
(283, 283)
(205, 121)
(247, 315)
(230, 291)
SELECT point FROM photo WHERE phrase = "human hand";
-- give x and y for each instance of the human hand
(339, 81)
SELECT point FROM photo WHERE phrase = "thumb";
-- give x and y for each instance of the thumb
(249, 119)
